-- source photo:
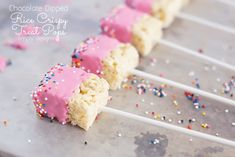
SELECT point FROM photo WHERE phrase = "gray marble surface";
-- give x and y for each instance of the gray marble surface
(26, 135)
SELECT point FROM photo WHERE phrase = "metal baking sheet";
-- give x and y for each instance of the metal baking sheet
(24, 134)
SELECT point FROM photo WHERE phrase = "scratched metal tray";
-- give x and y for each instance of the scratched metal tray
(23, 134)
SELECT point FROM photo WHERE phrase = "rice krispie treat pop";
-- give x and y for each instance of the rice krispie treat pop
(132, 26)
(165, 10)
(106, 57)
(70, 95)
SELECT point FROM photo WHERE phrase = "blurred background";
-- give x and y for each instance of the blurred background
(22, 133)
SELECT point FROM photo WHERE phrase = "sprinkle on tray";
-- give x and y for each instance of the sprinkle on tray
(189, 127)
(200, 50)
(153, 61)
(14, 98)
(4, 63)
(169, 120)
(226, 110)
(218, 80)
(119, 134)
(214, 68)
(205, 125)
(197, 83)
(5, 123)
(203, 113)
(175, 103)
(168, 61)
(181, 121)
(206, 68)
(155, 141)
(191, 73)
(143, 86)
(195, 100)
(179, 112)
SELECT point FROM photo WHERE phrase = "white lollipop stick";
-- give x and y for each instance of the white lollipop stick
(227, 2)
(184, 87)
(206, 22)
(196, 54)
(169, 126)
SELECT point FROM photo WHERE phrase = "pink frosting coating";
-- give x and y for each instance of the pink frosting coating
(119, 23)
(142, 5)
(58, 85)
(3, 63)
(91, 52)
